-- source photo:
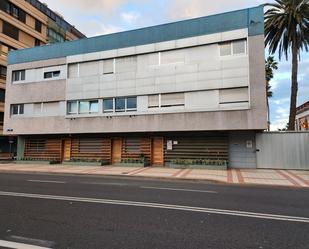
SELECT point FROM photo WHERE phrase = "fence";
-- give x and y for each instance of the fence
(283, 150)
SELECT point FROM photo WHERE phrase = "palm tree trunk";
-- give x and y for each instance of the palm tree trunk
(294, 87)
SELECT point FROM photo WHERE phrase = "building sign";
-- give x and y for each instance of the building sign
(169, 145)
(249, 144)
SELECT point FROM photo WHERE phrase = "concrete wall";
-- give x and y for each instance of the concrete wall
(199, 71)
(283, 150)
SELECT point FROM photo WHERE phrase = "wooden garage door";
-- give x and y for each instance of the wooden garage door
(158, 151)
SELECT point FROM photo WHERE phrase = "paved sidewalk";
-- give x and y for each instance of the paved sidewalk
(289, 178)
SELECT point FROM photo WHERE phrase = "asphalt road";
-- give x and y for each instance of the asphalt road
(48, 211)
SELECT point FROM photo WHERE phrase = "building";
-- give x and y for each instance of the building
(25, 24)
(193, 89)
(302, 117)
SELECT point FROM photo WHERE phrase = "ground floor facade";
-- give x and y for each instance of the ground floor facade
(234, 149)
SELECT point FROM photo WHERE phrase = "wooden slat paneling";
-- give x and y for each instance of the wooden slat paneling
(43, 148)
(215, 148)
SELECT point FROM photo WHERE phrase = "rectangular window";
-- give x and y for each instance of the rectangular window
(2, 95)
(19, 75)
(225, 49)
(3, 71)
(108, 105)
(235, 95)
(233, 48)
(72, 107)
(10, 30)
(87, 107)
(172, 99)
(17, 109)
(37, 42)
(38, 26)
(94, 106)
(239, 47)
(153, 101)
(131, 104)
(50, 75)
(83, 107)
(120, 104)
(108, 66)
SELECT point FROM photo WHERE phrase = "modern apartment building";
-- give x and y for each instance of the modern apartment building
(302, 117)
(24, 24)
(193, 89)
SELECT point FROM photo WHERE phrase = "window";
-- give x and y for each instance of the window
(49, 75)
(108, 66)
(19, 75)
(10, 30)
(239, 47)
(88, 107)
(72, 107)
(131, 103)
(38, 26)
(2, 95)
(172, 99)
(17, 109)
(108, 105)
(3, 71)
(83, 106)
(225, 49)
(37, 42)
(166, 100)
(235, 95)
(120, 104)
(54, 36)
(153, 101)
(233, 48)
(94, 106)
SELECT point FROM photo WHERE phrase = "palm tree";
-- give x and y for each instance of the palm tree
(287, 30)
(270, 66)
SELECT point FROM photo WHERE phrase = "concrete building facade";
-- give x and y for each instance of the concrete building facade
(188, 90)
(25, 24)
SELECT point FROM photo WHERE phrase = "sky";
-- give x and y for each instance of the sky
(97, 17)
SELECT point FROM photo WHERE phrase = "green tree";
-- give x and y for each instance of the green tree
(270, 66)
(287, 30)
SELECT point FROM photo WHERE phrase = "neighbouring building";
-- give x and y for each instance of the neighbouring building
(302, 117)
(25, 24)
(193, 89)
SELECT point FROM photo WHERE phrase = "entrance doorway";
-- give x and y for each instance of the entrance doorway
(116, 150)
(158, 151)
(66, 150)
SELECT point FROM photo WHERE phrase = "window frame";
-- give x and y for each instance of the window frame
(53, 74)
(21, 76)
(20, 109)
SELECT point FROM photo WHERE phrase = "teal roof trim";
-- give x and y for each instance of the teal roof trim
(252, 18)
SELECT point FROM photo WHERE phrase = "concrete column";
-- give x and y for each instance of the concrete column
(20, 147)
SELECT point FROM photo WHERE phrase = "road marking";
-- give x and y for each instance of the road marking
(106, 184)
(161, 206)
(182, 190)
(43, 181)
(14, 245)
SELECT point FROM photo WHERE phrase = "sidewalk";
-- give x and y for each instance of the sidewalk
(288, 178)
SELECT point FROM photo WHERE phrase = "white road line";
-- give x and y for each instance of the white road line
(43, 181)
(106, 184)
(14, 245)
(161, 206)
(182, 190)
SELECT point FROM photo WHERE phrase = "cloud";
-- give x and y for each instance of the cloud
(130, 17)
(93, 6)
(179, 9)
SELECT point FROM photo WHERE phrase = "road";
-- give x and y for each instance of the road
(49, 211)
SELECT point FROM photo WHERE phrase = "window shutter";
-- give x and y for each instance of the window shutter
(174, 99)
